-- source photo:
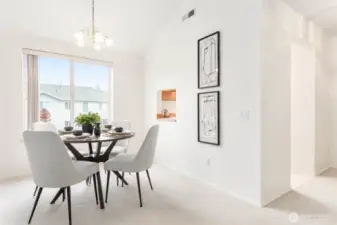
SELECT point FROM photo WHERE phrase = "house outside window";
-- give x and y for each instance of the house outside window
(65, 92)
(85, 107)
(67, 105)
(67, 123)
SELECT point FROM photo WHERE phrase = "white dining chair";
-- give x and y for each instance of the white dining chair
(122, 145)
(52, 167)
(142, 161)
(44, 126)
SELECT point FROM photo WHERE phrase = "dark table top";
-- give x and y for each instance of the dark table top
(105, 137)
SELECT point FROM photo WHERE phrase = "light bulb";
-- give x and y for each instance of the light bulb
(99, 37)
(108, 42)
(79, 35)
(80, 43)
(97, 47)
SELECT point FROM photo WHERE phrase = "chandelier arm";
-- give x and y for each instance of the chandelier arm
(91, 34)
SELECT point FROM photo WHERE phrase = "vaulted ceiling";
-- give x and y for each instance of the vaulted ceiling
(132, 24)
(322, 12)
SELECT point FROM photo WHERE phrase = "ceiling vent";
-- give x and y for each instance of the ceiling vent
(189, 15)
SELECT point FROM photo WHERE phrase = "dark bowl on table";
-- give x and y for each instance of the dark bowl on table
(69, 128)
(108, 127)
(77, 132)
(119, 129)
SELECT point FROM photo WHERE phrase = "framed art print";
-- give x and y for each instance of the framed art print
(209, 117)
(209, 61)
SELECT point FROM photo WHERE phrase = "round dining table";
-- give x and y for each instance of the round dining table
(99, 156)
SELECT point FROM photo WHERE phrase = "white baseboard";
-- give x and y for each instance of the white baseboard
(15, 178)
(322, 170)
(226, 191)
(282, 194)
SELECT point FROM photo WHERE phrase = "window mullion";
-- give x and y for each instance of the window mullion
(72, 92)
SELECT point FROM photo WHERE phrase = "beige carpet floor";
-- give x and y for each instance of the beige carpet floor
(177, 200)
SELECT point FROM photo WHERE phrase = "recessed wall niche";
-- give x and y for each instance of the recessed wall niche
(166, 105)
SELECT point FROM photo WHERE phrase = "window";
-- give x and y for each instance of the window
(85, 107)
(92, 85)
(44, 105)
(67, 105)
(67, 123)
(64, 88)
(54, 86)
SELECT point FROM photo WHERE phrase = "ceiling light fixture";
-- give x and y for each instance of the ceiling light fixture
(91, 36)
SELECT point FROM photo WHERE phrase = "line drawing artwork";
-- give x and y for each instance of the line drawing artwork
(208, 118)
(209, 61)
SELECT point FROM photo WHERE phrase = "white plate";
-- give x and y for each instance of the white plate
(112, 132)
(72, 136)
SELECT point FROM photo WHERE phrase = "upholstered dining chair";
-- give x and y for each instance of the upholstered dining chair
(44, 126)
(52, 167)
(122, 145)
(142, 161)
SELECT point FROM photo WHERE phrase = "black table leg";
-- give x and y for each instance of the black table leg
(58, 194)
(120, 177)
(90, 149)
(100, 191)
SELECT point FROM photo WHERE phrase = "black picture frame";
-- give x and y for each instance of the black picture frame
(217, 122)
(209, 39)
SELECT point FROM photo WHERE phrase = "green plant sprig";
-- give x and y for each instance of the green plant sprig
(90, 118)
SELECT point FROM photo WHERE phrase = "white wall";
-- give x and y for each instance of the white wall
(282, 28)
(128, 95)
(275, 106)
(172, 63)
(323, 110)
(254, 159)
(302, 109)
(333, 97)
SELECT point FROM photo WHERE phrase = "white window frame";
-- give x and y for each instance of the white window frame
(33, 83)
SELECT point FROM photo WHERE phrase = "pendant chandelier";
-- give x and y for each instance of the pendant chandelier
(91, 36)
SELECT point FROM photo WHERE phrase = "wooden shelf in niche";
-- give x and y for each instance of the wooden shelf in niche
(168, 95)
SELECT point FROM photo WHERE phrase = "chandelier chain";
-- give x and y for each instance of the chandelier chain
(93, 17)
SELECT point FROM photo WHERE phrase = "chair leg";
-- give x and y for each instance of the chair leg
(148, 177)
(35, 204)
(120, 177)
(35, 190)
(69, 204)
(107, 187)
(123, 178)
(58, 194)
(64, 195)
(95, 188)
(139, 191)
(117, 181)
